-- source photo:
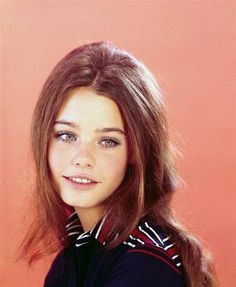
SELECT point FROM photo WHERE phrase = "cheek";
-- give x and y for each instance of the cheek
(114, 166)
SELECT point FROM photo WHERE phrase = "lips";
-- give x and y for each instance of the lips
(80, 179)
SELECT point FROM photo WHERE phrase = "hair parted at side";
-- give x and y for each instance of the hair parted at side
(150, 180)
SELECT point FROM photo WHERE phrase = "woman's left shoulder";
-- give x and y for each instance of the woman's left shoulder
(150, 259)
(152, 241)
(143, 267)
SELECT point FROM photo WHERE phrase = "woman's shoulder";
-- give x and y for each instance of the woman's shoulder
(149, 239)
(149, 259)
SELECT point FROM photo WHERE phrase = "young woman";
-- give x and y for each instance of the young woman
(105, 179)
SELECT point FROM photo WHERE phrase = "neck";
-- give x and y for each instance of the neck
(89, 217)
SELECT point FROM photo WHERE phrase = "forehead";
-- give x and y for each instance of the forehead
(83, 105)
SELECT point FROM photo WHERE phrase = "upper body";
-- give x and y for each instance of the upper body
(146, 258)
(101, 147)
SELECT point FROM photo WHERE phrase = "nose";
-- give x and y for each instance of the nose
(83, 156)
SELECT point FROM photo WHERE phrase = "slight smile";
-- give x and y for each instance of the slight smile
(80, 179)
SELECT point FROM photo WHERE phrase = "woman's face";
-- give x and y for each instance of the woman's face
(87, 149)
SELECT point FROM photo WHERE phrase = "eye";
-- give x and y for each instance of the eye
(109, 143)
(65, 136)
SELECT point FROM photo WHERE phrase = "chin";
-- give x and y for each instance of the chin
(76, 202)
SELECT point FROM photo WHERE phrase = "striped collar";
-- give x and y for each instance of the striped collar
(145, 234)
(75, 230)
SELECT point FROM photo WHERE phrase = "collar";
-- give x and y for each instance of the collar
(75, 230)
(144, 233)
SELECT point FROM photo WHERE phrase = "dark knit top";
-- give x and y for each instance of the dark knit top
(147, 258)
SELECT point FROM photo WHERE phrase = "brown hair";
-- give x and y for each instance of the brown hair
(150, 180)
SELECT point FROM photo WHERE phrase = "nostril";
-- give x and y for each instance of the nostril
(82, 162)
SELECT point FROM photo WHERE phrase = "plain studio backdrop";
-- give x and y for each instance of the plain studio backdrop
(190, 48)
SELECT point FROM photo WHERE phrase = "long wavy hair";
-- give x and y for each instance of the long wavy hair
(150, 179)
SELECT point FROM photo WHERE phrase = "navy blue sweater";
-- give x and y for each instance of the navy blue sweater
(146, 258)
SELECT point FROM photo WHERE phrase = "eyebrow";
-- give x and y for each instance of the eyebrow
(102, 130)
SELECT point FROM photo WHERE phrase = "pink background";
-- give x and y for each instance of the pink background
(188, 45)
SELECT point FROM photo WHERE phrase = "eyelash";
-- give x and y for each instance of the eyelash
(113, 143)
(59, 136)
